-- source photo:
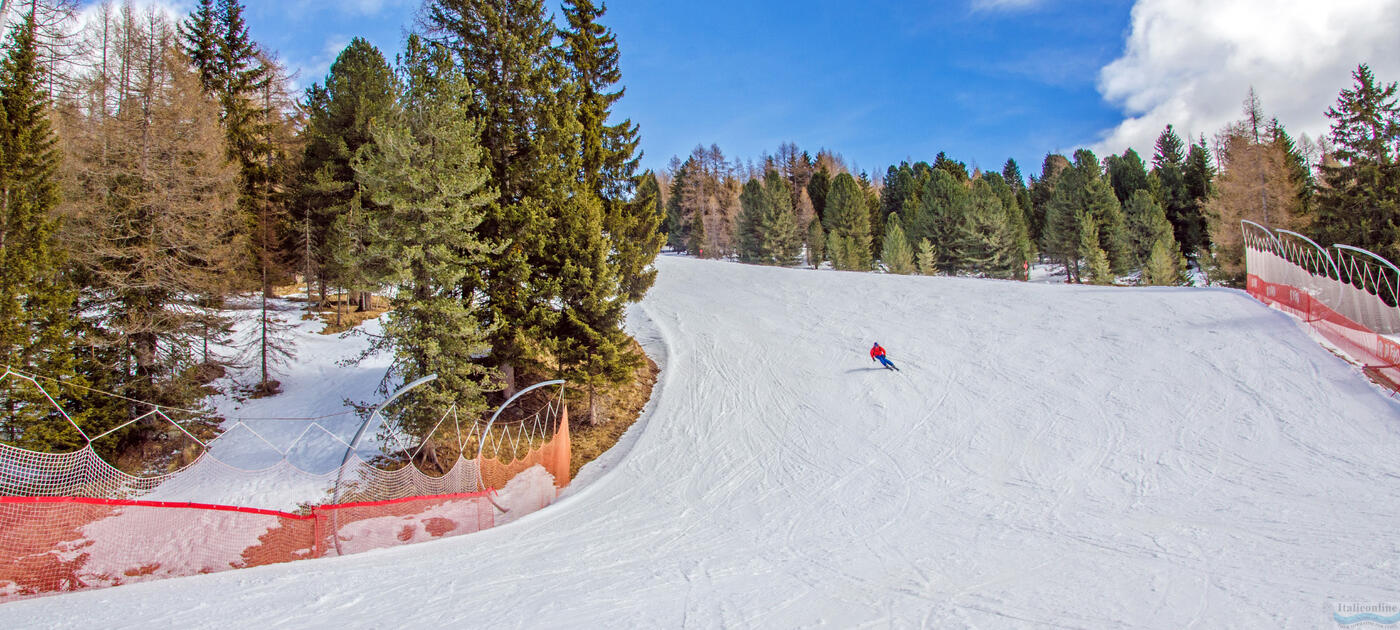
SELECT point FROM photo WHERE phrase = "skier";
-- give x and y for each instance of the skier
(878, 354)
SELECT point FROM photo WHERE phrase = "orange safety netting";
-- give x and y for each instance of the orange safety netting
(553, 455)
(1376, 352)
(57, 544)
(78, 524)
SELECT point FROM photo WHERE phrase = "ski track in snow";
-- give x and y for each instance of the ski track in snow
(1049, 455)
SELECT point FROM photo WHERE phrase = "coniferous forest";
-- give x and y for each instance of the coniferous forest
(158, 177)
(1120, 219)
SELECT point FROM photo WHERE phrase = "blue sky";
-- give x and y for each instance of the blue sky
(882, 82)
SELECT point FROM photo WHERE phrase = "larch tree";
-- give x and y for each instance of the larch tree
(152, 190)
(1255, 183)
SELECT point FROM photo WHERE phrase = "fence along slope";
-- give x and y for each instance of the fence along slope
(1346, 294)
(70, 521)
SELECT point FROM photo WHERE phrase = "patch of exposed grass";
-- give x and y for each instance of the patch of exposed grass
(618, 410)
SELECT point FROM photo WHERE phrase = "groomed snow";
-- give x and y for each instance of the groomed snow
(1049, 455)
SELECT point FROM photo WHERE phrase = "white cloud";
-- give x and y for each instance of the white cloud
(1191, 62)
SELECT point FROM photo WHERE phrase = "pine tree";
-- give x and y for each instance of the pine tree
(848, 221)
(609, 152)
(698, 238)
(1094, 257)
(939, 209)
(637, 240)
(1127, 174)
(1359, 203)
(360, 88)
(755, 206)
(424, 169)
(525, 101)
(817, 190)
(1042, 191)
(1164, 266)
(897, 256)
(984, 240)
(37, 331)
(1011, 172)
(1083, 191)
(816, 243)
(927, 258)
(1146, 225)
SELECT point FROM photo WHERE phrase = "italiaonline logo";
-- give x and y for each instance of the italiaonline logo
(1366, 613)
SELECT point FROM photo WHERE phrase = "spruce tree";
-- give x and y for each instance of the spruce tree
(1198, 176)
(1360, 202)
(1169, 164)
(848, 221)
(37, 329)
(897, 256)
(200, 40)
(953, 167)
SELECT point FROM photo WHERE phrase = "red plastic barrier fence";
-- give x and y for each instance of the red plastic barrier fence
(1379, 354)
(56, 544)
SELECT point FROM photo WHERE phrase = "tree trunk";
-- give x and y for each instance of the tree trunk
(592, 405)
(508, 377)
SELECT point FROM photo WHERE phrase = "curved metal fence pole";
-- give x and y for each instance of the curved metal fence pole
(481, 441)
(350, 450)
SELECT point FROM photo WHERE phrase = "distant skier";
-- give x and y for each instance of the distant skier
(878, 354)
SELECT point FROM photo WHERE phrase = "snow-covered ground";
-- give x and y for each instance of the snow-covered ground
(1049, 455)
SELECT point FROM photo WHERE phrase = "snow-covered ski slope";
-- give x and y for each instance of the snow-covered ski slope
(1049, 455)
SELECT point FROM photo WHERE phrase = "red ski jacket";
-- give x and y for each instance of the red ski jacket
(877, 351)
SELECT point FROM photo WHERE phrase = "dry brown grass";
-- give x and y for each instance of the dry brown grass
(618, 410)
(326, 311)
(348, 317)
